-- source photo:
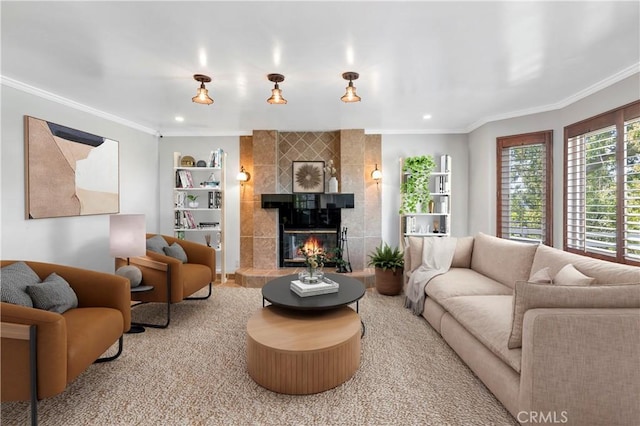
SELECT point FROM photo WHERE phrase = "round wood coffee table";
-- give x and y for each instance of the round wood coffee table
(302, 352)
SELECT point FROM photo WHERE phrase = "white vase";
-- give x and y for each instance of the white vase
(333, 185)
(193, 204)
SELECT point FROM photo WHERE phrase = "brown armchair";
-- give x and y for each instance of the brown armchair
(172, 280)
(66, 344)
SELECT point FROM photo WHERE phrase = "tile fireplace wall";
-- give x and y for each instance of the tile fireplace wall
(268, 155)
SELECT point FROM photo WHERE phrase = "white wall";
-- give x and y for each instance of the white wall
(482, 151)
(199, 148)
(81, 241)
(395, 147)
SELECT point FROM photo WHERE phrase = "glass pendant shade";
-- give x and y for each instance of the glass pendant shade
(350, 95)
(276, 96)
(202, 97)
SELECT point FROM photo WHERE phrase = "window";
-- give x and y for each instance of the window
(524, 187)
(602, 186)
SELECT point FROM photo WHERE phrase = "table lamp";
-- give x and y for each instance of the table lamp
(127, 239)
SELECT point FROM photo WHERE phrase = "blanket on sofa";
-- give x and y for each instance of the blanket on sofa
(437, 254)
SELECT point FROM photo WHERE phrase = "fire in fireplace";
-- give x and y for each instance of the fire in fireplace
(313, 241)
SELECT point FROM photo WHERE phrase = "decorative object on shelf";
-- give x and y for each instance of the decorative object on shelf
(176, 159)
(207, 239)
(201, 163)
(350, 95)
(276, 93)
(376, 175)
(243, 176)
(187, 161)
(415, 187)
(389, 264)
(308, 177)
(127, 239)
(68, 172)
(193, 203)
(432, 204)
(333, 180)
(202, 97)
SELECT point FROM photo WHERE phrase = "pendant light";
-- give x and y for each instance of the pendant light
(276, 93)
(350, 95)
(202, 97)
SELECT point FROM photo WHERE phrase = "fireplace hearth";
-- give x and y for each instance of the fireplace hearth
(307, 218)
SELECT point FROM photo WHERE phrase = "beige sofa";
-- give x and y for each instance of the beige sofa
(579, 360)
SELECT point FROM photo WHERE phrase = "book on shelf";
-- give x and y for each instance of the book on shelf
(215, 158)
(210, 199)
(191, 223)
(185, 179)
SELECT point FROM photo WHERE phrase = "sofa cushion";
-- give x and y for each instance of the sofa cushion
(605, 273)
(503, 260)
(15, 280)
(156, 244)
(415, 253)
(463, 282)
(175, 250)
(569, 275)
(530, 296)
(488, 319)
(53, 294)
(462, 255)
(543, 276)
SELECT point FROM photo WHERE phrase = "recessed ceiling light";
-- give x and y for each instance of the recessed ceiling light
(179, 119)
(426, 117)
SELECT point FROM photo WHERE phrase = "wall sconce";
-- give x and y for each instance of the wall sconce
(202, 97)
(243, 176)
(376, 174)
(350, 95)
(276, 93)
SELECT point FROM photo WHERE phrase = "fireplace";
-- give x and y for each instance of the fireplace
(306, 218)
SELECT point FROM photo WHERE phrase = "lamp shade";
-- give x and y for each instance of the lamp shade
(376, 174)
(127, 236)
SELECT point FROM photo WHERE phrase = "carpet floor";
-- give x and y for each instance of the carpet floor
(194, 373)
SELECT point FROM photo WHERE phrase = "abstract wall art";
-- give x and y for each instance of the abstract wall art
(69, 172)
(308, 176)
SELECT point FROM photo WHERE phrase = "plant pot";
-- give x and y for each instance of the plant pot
(388, 282)
(193, 204)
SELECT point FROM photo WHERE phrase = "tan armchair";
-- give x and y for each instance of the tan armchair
(172, 280)
(68, 343)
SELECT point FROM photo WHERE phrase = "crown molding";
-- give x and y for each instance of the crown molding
(6, 81)
(602, 84)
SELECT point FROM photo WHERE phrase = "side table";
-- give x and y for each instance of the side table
(137, 328)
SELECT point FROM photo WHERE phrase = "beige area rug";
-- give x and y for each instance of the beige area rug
(194, 373)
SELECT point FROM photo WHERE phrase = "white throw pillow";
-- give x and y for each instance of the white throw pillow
(569, 275)
(542, 277)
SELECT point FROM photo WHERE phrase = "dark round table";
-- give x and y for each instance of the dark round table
(279, 293)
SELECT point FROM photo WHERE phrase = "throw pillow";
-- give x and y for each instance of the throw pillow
(53, 294)
(15, 280)
(569, 275)
(157, 243)
(531, 295)
(542, 276)
(133, 273)
(176, 250)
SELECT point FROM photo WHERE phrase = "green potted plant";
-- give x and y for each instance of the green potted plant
(415, 186)
(193, 203)
(389, 264)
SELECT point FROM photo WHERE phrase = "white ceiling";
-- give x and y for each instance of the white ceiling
(464, 63)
